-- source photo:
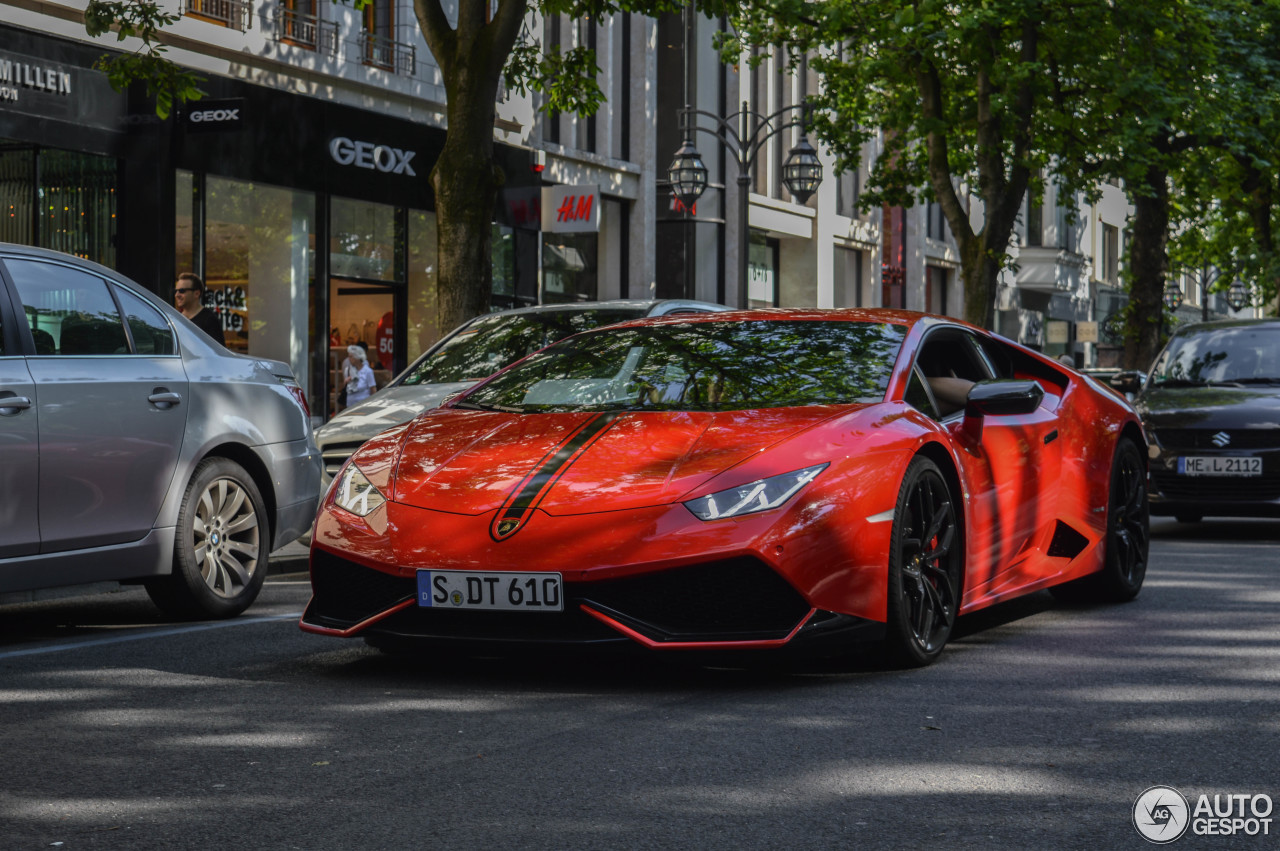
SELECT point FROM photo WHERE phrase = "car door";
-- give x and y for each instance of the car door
(1009, 467)
(19, 442)
(112, 404)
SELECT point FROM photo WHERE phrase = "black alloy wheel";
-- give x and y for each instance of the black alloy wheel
(926, 558)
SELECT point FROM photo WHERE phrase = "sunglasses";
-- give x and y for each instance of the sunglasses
(187, 290)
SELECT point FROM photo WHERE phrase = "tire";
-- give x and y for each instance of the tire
(1128, 536)
(926, 566)
(221, 548)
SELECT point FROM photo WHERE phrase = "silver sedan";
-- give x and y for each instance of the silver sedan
(134, 448)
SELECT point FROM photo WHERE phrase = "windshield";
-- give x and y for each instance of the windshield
(492, 342)
(1237, 354)
(702, 366)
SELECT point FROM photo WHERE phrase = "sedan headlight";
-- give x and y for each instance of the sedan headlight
(355, 493)
(761, 495)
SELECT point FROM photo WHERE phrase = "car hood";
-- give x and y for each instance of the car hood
(1251, 406)
(389, 407)
(471, 462)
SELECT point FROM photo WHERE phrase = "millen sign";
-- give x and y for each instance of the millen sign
(30, 76)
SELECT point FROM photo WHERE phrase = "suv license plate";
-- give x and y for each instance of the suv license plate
(496, 592)
(1219, 465)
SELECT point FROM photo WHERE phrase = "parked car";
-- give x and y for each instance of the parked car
(746, 481)
(1211, 409)
(471, 352)
(134, 448)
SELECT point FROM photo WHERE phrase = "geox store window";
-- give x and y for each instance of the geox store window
(254, 246)
(58, 199)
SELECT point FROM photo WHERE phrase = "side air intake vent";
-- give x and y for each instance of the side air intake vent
(1067, 542)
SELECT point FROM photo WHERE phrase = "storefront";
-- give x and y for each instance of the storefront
(310, 222)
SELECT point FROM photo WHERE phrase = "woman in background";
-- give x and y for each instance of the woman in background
(359, 377)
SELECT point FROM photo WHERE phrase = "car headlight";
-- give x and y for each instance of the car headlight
(355, 493)
(761, 495)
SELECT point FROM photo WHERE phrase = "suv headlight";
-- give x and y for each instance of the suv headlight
(756, 496)
(355, 493)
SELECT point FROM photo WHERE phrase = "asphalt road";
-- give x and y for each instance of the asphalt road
(1038, 729)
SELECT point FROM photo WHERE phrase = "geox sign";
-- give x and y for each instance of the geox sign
(15, 76)
(204, 116)
(384, 158)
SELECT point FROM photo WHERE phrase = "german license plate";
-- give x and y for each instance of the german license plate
(1219, 465)
(497, 592)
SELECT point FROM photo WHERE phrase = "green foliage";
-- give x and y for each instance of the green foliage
(168, 83)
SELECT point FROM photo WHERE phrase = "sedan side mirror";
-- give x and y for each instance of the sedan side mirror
(1128, 382)
(1002, 398)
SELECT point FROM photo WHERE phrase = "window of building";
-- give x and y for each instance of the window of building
(935, 290)
(64, 200)
(1110, 254)
(1035, 221)
(228, 13)
(570, 267)
(762, 272)
(935, 221)
(847, 272)
(848, 188)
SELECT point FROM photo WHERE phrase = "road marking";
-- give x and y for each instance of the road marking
(138, 636)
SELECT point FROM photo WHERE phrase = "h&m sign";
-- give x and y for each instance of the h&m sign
(571, 209)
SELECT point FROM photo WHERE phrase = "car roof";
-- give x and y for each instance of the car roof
(1228, 324)
(907, 318)
(646, 306)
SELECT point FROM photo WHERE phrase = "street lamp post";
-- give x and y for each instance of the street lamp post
(802, 172)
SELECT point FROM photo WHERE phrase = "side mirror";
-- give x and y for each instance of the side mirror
(1130, 381)
(1003, 398)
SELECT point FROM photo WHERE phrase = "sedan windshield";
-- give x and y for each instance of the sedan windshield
(1233, 354)
(492, 342)
(702, 366)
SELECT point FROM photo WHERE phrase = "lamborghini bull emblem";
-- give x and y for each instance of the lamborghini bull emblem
(534, 487)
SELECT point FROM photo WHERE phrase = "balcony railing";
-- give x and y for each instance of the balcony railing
(389, 55)
(306, 31)
(237, 14)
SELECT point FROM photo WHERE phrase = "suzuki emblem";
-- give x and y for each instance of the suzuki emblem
(1221, 439)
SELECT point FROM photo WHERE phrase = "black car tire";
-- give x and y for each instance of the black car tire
(1128, 537)
(926, 563)
(221, 548)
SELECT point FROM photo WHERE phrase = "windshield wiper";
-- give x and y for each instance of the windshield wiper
(476, 406)
(1258, 381)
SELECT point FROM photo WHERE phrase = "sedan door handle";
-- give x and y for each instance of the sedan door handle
(13, 405)
(164, 399)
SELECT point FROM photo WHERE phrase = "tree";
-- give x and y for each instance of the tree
(1178, 87)
(967, 94)
(474, 49)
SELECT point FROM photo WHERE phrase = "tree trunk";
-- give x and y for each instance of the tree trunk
(981, 276)
(1149, 266)
(466, 185)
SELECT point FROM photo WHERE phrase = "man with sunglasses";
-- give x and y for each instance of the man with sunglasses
(187, 295)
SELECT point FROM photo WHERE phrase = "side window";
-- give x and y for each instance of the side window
(69, 312)
(951, 365)
(151, 334)
(917, 395)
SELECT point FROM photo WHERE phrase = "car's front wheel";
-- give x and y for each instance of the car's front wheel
(221, 548)
(926, 561)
